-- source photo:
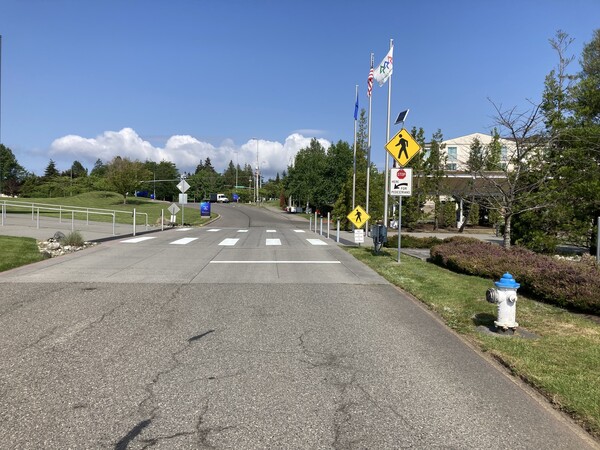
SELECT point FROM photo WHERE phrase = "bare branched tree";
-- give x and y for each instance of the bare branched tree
(518, 185)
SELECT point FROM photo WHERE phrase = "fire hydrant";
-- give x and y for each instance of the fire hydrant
(505, 296)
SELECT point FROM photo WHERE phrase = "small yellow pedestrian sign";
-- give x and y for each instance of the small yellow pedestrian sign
(403, 147)
(358, 217)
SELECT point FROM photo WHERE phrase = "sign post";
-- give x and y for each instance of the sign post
(358, 217)
(183, 186)
(403, 147)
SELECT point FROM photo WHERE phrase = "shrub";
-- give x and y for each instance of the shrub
(564, 283)
(413, 242)
(74, 239)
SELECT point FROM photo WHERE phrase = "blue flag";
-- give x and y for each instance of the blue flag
(356, 108)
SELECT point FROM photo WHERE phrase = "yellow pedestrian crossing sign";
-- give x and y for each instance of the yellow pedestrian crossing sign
(402, 147)
(358, 217)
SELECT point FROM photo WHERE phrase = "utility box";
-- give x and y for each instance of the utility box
(379, 235)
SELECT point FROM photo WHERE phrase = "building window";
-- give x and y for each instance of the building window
(452, 161)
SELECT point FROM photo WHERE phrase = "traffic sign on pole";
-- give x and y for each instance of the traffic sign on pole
(403, 147)
(358, 217)
(183, 186)
(401, 182)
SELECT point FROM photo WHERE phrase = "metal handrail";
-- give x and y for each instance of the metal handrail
(36, 207)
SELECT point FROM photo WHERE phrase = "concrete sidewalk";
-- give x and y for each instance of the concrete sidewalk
(24, 226)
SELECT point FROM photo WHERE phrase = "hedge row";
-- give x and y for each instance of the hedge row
(412, 242)
(574, 285)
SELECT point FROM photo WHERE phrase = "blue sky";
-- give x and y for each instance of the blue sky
(185, 79)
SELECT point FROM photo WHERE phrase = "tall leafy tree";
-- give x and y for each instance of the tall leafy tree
(125, 175)
(305, 179)
(12, 174)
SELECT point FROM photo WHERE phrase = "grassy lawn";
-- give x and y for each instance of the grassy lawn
(18, 251)
(112, 201)
(563, 363)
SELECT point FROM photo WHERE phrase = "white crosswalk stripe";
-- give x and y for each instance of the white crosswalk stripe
(242, 231)
(316, 242)
(228, 242)
(271, 231)
(213, 230)
(183, 241)
(298, 231)
(136, 240)
(273, 241)
(182, 229)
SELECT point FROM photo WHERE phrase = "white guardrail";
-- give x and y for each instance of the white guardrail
(36, 208)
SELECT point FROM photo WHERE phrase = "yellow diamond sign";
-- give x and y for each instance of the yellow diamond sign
(403, 147)
(358, 217)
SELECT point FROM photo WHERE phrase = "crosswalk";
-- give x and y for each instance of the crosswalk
(269, 241)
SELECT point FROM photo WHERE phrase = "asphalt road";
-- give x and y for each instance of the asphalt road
(250, 333)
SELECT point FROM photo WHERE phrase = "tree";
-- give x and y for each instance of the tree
(305, 179)
(434, 170)
(526, 172)
(412, 207)
(571, 107)
(12, 174)
(51, 171)
(77, 170)
(125, 175)
(99, 169)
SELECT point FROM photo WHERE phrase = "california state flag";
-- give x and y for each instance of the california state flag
(385, 69)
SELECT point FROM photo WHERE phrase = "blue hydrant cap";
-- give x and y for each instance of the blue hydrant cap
(507, 281)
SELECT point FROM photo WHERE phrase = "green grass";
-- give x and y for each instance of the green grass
(18, 251)
(563, 364)
(112, 201)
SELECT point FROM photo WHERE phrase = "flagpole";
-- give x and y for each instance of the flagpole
(387, 162)
(369, 151)
(354, 170)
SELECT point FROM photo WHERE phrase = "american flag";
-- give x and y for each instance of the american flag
(370, 82)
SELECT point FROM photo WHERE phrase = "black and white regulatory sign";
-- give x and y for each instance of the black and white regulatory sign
(401, 182)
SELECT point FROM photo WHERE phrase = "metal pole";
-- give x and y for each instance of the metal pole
(354, 166)
(182, 208)
(399, 226)
(315, 221)
(38, 218)
(321, 228)
(598, 242)
(387, 162)
(87, 216)
(369, 156)
(309, 223)
(162, 220)
(134, 221)
(337, 239)
(3, 209)
(328, 223)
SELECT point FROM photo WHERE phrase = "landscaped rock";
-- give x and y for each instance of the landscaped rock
(53, 248)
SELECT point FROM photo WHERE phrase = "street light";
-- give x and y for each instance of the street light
(257, 194)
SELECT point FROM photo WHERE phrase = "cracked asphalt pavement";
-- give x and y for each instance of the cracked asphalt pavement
(246, 357)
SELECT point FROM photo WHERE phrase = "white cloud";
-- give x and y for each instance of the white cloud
(185, 151)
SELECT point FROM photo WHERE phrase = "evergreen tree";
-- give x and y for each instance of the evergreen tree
(51, 171)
